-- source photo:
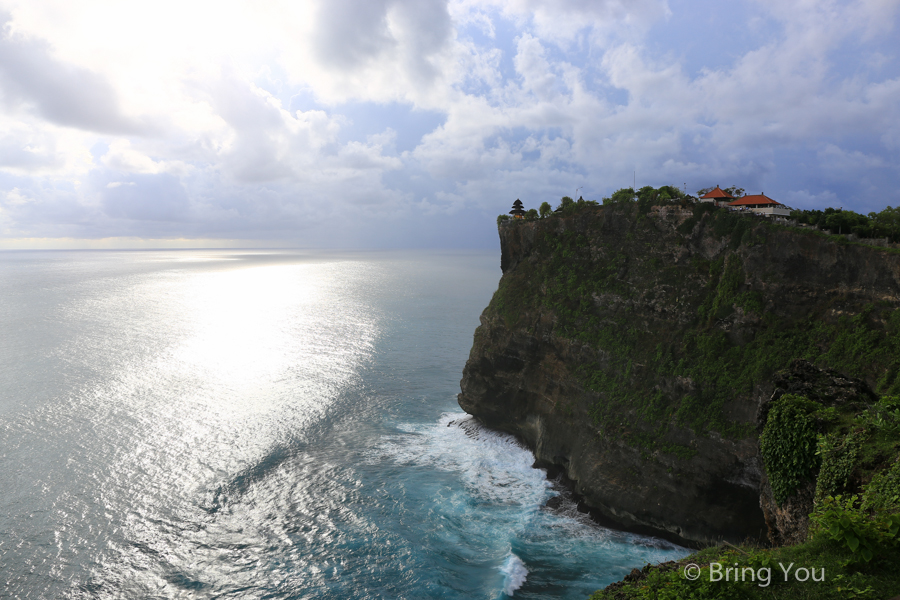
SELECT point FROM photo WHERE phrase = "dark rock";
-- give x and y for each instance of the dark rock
(522, 378)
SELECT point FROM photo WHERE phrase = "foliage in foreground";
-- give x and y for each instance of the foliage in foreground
(854, 538)
(818, 569)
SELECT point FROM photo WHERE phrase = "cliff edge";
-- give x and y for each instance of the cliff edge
(637, 352)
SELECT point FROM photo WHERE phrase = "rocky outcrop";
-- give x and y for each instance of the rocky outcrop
(788, 522)
(594, 353)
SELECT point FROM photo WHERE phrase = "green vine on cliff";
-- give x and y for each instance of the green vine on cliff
(839, 455)
(788, 445)
(882, 494)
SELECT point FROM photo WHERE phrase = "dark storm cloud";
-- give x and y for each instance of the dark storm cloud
(61, 93)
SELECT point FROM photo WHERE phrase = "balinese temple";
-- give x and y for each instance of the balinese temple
(517, 211)
(760, 203)
(717, 196)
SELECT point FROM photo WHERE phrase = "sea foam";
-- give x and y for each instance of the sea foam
(514, 574)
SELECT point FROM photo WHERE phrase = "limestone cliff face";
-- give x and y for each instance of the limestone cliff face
(635, 352)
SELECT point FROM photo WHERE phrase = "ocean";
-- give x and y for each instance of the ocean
(268, 424)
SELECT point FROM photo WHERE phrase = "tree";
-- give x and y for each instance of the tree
(646, 197)
(668, 192)
(886, 223)
(737, 192)
(531, 215)
(623, 196)
(546, 209)
(565, 205)
(846, 221)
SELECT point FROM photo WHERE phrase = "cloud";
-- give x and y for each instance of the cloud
(20, 152)
(14, 197)
(31, 77)
(122, 157)
(834, 159)
(803, 199)
(148, 198)
(382, 49)
(304, 120)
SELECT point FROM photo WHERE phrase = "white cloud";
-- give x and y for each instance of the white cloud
(14, 197)
(32, 78)
(122, 157)
(194, 118)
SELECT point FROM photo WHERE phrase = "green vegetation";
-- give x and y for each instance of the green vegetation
(883, 224)
(591, 282)
(788, 445)
(836, 221)
(648, 196)
(838, 447)
(854, 538)
(669, 339)
(831, 572)
(566, 207)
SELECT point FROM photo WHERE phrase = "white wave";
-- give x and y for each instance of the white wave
(514, 574)
(493, 466)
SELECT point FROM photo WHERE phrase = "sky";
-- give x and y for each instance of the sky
(414, 123)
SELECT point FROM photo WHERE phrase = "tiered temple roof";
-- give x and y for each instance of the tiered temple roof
(517, 211)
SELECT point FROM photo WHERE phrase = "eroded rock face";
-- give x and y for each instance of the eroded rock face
(524, 374)
(788, 523)
(526, 389)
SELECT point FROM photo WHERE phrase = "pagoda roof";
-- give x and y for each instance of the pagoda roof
(755, 200)
(717, 192)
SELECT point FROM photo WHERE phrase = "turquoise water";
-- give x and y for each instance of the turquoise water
(234, 424)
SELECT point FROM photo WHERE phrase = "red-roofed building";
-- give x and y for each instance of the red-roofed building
(717, 196)
(760, 203)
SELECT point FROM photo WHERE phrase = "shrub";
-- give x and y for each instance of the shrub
(882, 494)
(788, 444)
(566, 205)
(838, 454)
(845, 522)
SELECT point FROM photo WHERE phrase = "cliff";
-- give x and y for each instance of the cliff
(637, 351)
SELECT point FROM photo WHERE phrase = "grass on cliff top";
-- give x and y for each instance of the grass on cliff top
(840, 575)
